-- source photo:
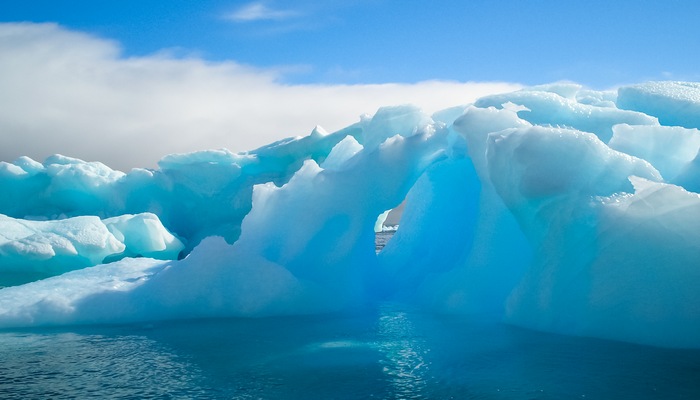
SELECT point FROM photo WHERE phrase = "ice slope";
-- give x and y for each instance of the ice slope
(556, 208)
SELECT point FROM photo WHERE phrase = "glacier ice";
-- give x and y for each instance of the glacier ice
(674, 103)
(33, 249)
(556, 208)
(554, 106)
(671, 149)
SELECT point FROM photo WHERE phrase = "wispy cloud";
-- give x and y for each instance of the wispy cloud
(67, 92)
(259, 11)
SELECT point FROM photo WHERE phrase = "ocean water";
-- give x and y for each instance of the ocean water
(384, 352)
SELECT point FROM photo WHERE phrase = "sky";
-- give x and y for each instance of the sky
(130, 81)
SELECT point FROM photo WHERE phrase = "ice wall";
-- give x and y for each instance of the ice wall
(556, 208)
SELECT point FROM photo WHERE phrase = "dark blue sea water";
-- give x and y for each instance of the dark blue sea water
(388, 352)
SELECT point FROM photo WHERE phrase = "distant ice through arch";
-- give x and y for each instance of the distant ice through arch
(386, 226)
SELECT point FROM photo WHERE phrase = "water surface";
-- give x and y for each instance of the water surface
(389, 352)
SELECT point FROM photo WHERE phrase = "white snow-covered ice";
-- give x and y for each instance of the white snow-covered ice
(556, 208)
(31, 249)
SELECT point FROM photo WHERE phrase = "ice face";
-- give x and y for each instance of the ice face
(671, 149)
(626, 270)
(556, 208)
(673, 103)
(32, 249)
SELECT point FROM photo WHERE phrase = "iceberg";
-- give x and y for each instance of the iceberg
(556, 208)
(33, 249)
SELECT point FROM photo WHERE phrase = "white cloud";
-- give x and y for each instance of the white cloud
(259, 11)
(71, 93)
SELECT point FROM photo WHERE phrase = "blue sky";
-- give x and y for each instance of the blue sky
(596, 43)
(130, 81)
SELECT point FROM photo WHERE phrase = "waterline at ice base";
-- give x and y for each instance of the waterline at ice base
(554, 208)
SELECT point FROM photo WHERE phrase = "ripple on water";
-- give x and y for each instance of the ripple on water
(387, 352)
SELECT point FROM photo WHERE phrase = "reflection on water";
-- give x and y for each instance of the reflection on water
(403, 352)
(388, 352)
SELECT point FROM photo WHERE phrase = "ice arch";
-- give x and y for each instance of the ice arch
(553, 198)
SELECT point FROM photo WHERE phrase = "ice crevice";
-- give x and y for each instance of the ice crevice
(556, 208)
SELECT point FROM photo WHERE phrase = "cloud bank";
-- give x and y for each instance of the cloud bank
(68, 92)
